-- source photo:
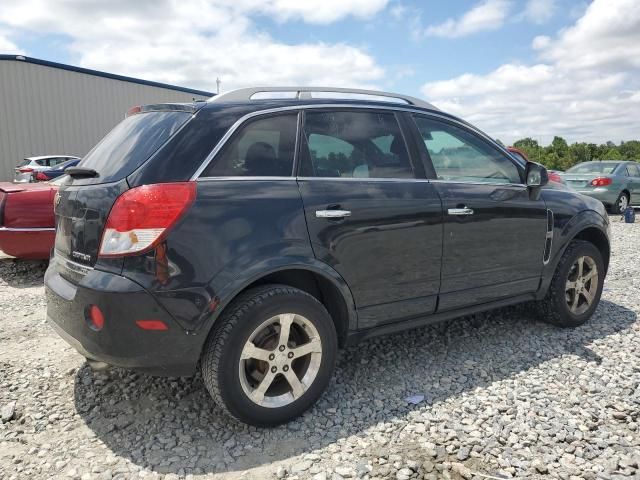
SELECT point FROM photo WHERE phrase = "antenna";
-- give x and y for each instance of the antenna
(218, 82)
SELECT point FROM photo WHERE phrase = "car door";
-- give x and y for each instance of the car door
(370, 216)
(494, 233)
(634, 182)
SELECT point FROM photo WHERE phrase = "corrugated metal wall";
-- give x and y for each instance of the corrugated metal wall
(49, 111)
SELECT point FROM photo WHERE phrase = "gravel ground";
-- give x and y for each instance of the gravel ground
(504, 396)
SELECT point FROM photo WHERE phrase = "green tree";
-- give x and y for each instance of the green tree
(613, 154)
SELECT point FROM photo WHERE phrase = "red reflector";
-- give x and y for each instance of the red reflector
(141, 217)
(41, 176)
(152, 325)
(601, 182)
(95, 318)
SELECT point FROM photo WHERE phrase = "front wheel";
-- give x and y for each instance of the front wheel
(576, 287)
(270, 356)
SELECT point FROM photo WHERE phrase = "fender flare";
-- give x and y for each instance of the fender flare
(226, 286)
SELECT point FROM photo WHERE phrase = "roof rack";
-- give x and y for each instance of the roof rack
(305, 93)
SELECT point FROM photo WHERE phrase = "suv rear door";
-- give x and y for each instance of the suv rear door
(494, 234)
(370, 213)
(84, 203)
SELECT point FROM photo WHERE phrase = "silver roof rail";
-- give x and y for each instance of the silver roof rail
(305, 93)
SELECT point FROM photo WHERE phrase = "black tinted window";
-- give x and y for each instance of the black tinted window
(131, 143)
(263, 147)
(354, 144)
(459, 155)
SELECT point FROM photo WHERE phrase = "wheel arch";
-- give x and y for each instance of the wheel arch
(315, 278)
(596, 237)
(589, 226)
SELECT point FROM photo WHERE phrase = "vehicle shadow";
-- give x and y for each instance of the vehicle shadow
(20, 273)
(172, 426)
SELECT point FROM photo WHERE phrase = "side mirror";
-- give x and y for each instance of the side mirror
(536, 177)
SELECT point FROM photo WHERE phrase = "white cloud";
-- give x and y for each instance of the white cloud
(191, 42)
(325, 11)
(541, 42)
(586, 86)
(7, 46)
(487, 15)
(539, 11)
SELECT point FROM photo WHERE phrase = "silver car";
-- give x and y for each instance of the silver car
(616, 183)
(25, 172)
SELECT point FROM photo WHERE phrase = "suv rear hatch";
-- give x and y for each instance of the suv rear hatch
(88, 194)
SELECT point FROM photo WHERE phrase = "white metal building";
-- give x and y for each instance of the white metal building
(49, 108)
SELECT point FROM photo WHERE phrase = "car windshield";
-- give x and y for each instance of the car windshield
(594, 167)
(63, 165)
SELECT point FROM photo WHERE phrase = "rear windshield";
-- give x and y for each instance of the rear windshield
(131, 143)
(595, 167)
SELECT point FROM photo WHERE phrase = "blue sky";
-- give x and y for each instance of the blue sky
(514, 67)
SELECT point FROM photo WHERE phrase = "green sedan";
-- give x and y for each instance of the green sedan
(615, 183)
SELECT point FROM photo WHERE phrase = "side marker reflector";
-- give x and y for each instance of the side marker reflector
(152, 325)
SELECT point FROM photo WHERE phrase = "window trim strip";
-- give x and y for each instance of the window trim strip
(394, 108)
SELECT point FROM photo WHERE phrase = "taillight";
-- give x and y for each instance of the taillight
(25, 169)
(601, 182)
(554, 177)
(41, 176)
(141, 217)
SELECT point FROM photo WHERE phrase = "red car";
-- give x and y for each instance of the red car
(27, 225)
(519, 154)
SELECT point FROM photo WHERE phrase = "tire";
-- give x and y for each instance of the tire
(555, 308)
(616, 208)
(234, 378)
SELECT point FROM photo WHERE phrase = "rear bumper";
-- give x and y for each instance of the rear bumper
(30, 243)
(120, 342)
(605, 195)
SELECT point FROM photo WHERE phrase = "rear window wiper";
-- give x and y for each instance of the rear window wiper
(81, 172)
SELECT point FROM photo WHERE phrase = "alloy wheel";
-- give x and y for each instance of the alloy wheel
(280, 360)
(623, 203)
(582, 285)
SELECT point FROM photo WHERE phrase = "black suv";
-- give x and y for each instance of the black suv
(253, 235)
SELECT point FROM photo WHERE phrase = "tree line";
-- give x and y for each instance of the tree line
(559, 155)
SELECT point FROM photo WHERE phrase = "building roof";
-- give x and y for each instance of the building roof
(98, 73)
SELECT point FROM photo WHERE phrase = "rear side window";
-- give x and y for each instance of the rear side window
(354, 145)
(261, 148)
(634, 170)
(131, 143)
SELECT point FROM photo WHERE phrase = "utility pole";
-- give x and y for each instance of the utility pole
(218, 82)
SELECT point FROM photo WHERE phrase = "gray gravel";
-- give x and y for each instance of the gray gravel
(504, 396)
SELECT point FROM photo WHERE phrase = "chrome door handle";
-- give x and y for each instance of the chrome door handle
(333, 213)
(460, 211)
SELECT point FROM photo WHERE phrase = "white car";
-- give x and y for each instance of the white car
(31, 165)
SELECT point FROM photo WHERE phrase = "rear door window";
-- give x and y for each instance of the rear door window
(131, 143)
(261, 148)
(350, 144)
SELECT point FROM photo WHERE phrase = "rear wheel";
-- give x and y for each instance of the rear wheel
(270, 356)
(576, 286)
(621, 203)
